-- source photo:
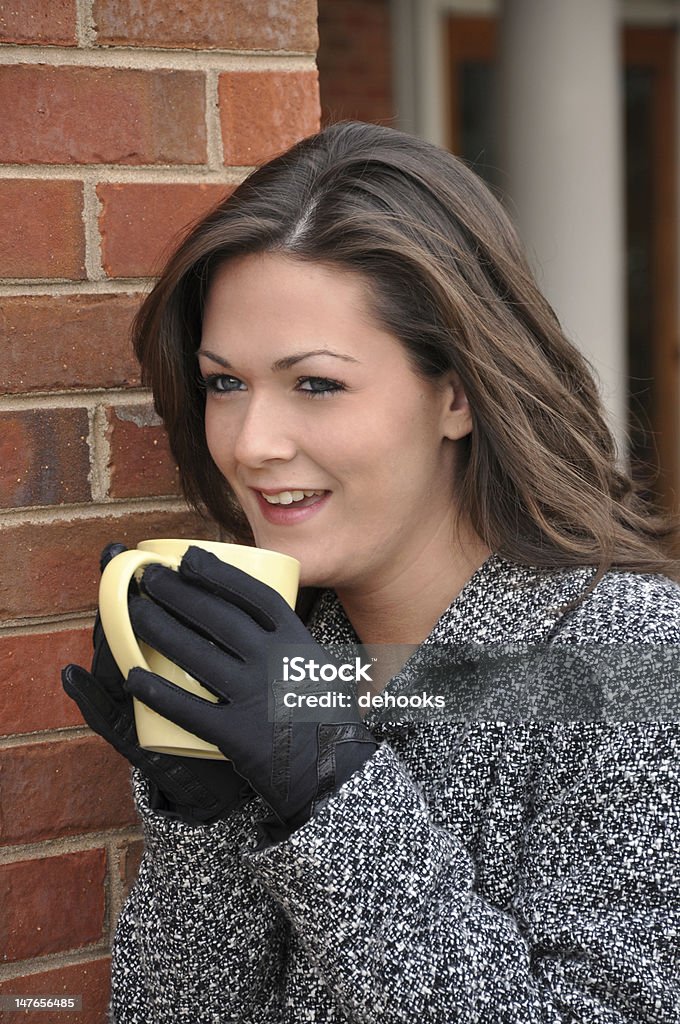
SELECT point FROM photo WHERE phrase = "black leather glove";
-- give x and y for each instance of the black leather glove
(221, 625)
(193, 789)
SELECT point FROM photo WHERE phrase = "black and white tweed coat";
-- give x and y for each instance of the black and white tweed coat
(470, 872)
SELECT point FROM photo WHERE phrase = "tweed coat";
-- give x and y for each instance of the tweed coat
(471, 871)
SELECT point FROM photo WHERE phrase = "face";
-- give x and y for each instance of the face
(306, 393)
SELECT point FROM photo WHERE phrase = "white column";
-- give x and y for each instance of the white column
(404, 80)
(561, 117)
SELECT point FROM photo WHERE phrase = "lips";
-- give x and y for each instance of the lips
(290, 511)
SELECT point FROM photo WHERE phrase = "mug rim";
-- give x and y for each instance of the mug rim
(146, 545)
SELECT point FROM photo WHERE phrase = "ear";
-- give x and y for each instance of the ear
(456, 415)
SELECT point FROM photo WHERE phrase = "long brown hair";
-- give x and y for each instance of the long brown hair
(539, 481)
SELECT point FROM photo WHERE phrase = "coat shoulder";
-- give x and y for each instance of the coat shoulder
(625, 607)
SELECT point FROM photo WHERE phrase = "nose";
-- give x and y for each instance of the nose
(265, 433)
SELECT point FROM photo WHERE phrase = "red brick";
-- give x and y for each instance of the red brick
(52, 904)
(203, 24)
(44, 457)
(141, 463)
(41, 228)
(54, 567)
(63, 788)
(61, 342)
(129, 858)
(264, 112)
(34, 21)
(354, 61)
(140, 225)
(33, 698)
(101, 115)
(91, 980)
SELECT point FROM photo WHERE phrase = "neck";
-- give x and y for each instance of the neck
(403, 608)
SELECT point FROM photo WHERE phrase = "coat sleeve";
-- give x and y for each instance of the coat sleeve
(386, 905)
(199, 938)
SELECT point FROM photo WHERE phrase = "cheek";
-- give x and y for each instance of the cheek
(416, 464)
(411, 440)
(217, 438)
(384, 451)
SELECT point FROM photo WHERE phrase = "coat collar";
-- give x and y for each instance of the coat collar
(501, 602)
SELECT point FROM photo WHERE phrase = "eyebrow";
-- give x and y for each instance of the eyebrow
(286, 362)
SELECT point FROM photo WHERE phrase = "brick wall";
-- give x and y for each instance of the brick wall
(355, 65)
(122, 122)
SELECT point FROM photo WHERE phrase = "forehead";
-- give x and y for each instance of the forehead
(256, 276)
(268, 299)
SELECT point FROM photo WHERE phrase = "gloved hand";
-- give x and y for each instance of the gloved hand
(195, 790)
(220, 625)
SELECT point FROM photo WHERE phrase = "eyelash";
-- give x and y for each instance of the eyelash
(210, 384)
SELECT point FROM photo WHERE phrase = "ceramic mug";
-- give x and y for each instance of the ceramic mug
(281, 572)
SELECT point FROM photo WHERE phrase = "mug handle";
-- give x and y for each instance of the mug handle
(113, 605)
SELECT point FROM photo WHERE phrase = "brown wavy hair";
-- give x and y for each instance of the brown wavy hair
(539, 480)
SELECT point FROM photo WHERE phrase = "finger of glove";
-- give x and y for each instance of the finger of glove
(261, 602)
(203, 612)
(211, 722)
(174, 776)
(104, 667)
(218, 671)
(108, 553)
(112, 549)
(113, 720)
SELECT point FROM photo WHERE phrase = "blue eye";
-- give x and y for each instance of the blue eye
(220, 383)
(320, 387)
(312, 387)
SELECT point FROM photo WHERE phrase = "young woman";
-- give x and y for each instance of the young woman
(355, 367)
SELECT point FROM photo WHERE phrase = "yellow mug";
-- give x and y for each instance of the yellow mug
(280, 572)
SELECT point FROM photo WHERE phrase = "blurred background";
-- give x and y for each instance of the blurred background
(568, 109)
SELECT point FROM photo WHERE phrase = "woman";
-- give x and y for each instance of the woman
(355, 367)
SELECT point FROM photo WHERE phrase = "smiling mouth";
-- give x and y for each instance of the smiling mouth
(300, 499)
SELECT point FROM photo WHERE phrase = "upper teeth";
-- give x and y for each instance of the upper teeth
(286, 497)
